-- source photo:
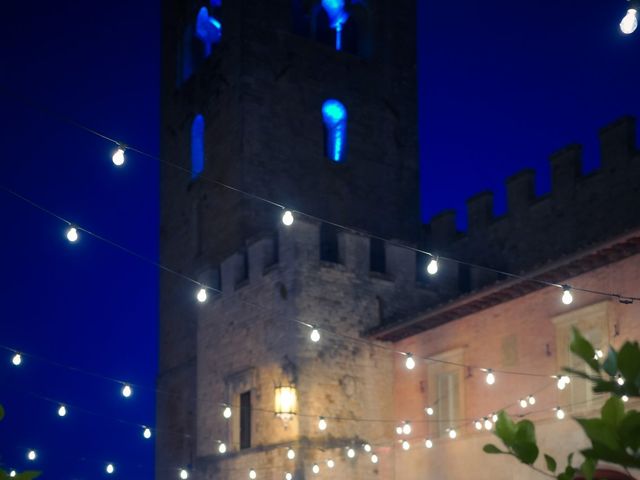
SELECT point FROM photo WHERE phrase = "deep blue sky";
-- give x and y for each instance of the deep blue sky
(502, 85)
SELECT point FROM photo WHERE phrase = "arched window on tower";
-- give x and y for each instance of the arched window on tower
(334, 115)
(197, 146)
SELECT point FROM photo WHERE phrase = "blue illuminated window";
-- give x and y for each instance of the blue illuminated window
(335, 129)
(197, 146)
(208, 30)
(337, 17)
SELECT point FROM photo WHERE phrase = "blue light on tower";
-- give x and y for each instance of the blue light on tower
(197, 146)
(208, 30)
(334, 115)
(337, 17)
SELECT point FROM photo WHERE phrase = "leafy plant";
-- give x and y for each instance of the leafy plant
(30, 475)
(614, 435)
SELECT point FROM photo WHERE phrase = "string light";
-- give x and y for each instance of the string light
(226, 412)
(202, 295)
(72, 234)
(620, 380)
(222, 448)
(62, 411)
(315, 335)
(428, 411)
(406, 445)
(366, 447)
(531, 399)
(287, 218)
(252, 474)
(288, 476)
(629, 23)
(146, 433)
(490, 378)
(494, 417)
(406, 427)
(127, 391)
(16, 359)
(351, 453)
(524, 403)
(428, 443)
(291, 453)
(315, 469)
(625, 398)
(478, 425)
(118, 156)
(598, 354)
(432, 268)
(452, 434)
(12, 473)
(399, 430)
(322, 424)
(374, 458)
(184, 474)
(567, 298)
(559, 413)
(32, 455)
(488, 424)
(110, 469)
(410, 363)
(563, 381)
(331, 463)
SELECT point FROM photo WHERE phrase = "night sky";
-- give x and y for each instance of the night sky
(502, 85)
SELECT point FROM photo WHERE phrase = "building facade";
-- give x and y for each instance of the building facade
(312, 106)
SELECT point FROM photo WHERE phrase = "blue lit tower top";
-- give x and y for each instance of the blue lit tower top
(334, 115)
(208, 30)
(337, 17)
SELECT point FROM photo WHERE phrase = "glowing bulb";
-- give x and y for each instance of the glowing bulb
(315, 335)
(452, 434)
(315, 469)
(428, 443)
(367, 447)
(226, 412)
(287, 218)
(598, 354)
(288, 476)
(331, 463)
(432, 268)
(428, 411)
(291, 453)
(567, 298)
(477, 424)
(410, 363)
(351, 452)
(629, 23)
(118, 157)
(202, 295)
(127, 391)
(559, 413)
(222, 448)
(399, 430)
(488, 425)
(406, 428)
(523, 403)
(406, 445)
(16, 359)
(12, 473)
(531, 399)
(62, 411)
(110, 469)
(490, 378)
(72, 234)
(374, 458)
(32, 455)
(625, 398)
(184, 474)
(620, 380)
(322, 424)
(494, 417)
(563, 381)
(146, 433)
(252, 474)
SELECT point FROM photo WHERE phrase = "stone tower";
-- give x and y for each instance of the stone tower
(245, 85)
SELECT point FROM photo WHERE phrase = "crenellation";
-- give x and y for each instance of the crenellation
(443, 228)
(520, 191)
(618, 143)
(566, 167)
(479, 211)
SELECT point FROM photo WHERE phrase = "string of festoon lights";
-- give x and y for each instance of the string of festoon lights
(629, 22)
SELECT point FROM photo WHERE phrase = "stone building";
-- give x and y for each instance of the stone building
(315, 110)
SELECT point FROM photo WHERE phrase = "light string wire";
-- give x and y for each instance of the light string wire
(358, 231)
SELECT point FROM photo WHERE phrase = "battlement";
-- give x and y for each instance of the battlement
(575, 209)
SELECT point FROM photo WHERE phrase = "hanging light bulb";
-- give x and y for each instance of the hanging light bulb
(13, 473)
(478, 425)
(406, 445)
(72, 234)
(110, 469)
(291, 453)
(252, 474)
(315, 469)
(563, 381)
(410, 363)
(315, 335)
(16, 359)
(118, 156)
(222, 448)
(490, 378)
(452, 434)
(428, 411)
(202, 295)
(62, 411)
(146, 433)
(598, 354)
(488, 424)
(629, 23)
(399, 430)
(127, 391)
(624, 398)
(432, 268)
(374, 458)
(288, 476)
(531, 399)
(331, 463)
(567, 298)
(428, 443)
(32, 455)
(226, 411)
(322, 424)
(619, 379)
(351, 453)
(494, 417)
(184, 474)
(559, 413)
(523, 403)
(287, 218)
(406, 427)
(366, 447)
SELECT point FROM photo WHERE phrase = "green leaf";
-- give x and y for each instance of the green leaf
(525, 432)
(588, 468)
(613, 412)
(551, 463)
(629, 430)
(610, 365)
(600, 433)
(491, 448)
(505, 429)
(526, 452)
(629, 362)
(583, 349)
